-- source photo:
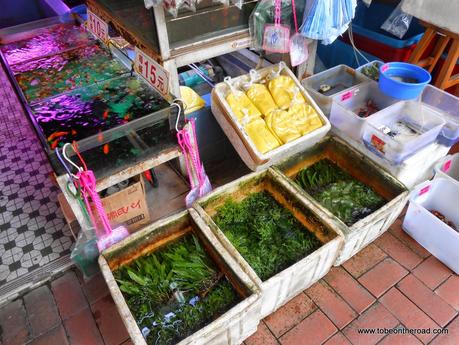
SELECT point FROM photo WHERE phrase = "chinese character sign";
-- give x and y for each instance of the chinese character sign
(152, 72)
(97, 26)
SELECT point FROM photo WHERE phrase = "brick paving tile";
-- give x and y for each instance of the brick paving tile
(56, 336)
(396, 230)
(336, 309)
(400, 339)
(262, 336)
(315, 329)
(109, 321)
(435, 307)
(449, 291)
(364, 260)
(41, 310)
(82, 329)
(349, 289)
(382, 277)
(452, 338)
(398, 251)
(95, 288)
(432, 272)
(290, 314)
(408, 313)
(13, 323)
(338, 339)
(68, 295)
(377, 316)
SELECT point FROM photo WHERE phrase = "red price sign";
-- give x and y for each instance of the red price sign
(97, 26)
(152, 72)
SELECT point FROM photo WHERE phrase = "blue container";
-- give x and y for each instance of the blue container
(393, 77)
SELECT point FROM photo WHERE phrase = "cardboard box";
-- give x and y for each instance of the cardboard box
(128, 206)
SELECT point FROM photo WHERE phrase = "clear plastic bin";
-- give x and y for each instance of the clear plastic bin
(345, 108)
(340, 77)
(402, 129)
(448, 105)
(437, 237)
(448, 168)
(375, 63)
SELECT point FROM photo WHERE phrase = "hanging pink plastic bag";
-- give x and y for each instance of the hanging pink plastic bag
(276, 36)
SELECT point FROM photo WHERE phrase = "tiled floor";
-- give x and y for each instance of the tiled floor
(32, 228)
(393, 282)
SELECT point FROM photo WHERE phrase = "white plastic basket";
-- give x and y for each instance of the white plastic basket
(437, 237)
(246, 149)
(448, 168)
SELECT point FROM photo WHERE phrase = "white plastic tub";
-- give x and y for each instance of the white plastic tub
(448, 106)
(254, 159)
(437, 237)
(345, 107)
(448, 168)
(283, 286)
(342, 77)
(424, 120)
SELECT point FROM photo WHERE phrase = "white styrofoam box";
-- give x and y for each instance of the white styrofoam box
(232, 327)
(419, 116)
(448, 167)
(376, 63)
(448, 107)
(255, 160)
(344, 112)
(438, 238)
(342, 77)
(283, 286)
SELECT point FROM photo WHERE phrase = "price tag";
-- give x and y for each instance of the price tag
(445, 168)
(347, 95)
(424, 190)
(152, 72)
(378, 143)
(97, 26)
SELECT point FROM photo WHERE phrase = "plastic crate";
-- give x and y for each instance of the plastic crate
(363, 232)
(283, 286)
(344, 109)
(232, 327)
(448, 168)
(424, 122)
(342, 77)
(242, 143)
(437, 237)
(448, 106)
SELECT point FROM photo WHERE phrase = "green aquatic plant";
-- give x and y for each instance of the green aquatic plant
(266, 234)
(174, 291)
(344, 196)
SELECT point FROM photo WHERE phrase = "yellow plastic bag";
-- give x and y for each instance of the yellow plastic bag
(285, 91)
(241, 106)
(304, 118)
(281, 124)
(261, 98)
(261, 136)
(191, 99)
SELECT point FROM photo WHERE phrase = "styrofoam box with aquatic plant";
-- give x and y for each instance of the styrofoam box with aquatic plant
(173, 284)
(352, 192)
(252, 157)
(278, 238)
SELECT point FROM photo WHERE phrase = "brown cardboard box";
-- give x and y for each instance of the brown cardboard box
(128, 206)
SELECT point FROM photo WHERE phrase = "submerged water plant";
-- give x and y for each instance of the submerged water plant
(266, 234)
(175, 291)
(344, 196)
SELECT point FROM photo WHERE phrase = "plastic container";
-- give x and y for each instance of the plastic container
(341, 78)
(344, 112)
(437, 237)
(412, 81)
(242, 143)
(367, 229)
(283, 286)
(375, 63)
(232, 327)
(421, 123)
(448, 105)
(448, 168)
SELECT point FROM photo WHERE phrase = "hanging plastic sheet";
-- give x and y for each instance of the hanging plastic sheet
(398, 22)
